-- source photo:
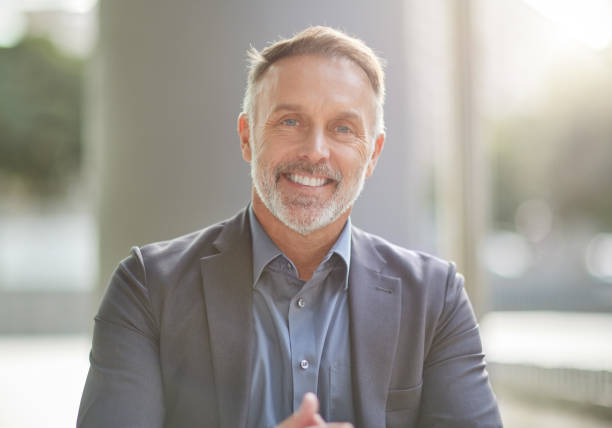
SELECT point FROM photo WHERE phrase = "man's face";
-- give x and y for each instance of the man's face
(311, 144)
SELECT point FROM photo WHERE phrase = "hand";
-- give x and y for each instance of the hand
(307, 416)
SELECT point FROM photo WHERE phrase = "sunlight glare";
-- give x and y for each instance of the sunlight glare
(589, 21)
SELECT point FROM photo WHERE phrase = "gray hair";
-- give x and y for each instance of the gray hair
(323, 41)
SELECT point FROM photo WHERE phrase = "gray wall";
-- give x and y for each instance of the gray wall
(164, 94)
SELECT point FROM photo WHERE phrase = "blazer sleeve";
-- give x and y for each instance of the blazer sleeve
(124, 384)
(456, 391)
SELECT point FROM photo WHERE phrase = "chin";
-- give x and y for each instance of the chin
(305, 223)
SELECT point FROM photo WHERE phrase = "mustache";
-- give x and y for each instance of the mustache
(321, 169)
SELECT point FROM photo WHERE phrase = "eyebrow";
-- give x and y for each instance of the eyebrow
(346, 114)
(287, 107)
(349, 114)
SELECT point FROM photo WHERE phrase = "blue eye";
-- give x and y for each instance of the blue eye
(343, 129)
(290, 122)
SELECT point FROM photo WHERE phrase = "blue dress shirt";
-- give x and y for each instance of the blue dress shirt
(302, 340)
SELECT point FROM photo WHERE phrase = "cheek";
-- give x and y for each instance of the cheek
(366, 153)
(356, 155)
(259, 147)
(271, 143)
(268, 157)
(352, 165)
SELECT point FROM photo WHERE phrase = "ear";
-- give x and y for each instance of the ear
(378, 146)
(245, 136)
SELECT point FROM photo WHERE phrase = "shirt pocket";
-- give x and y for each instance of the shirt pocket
(403, 405)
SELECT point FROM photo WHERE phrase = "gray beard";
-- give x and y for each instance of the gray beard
(304, 214)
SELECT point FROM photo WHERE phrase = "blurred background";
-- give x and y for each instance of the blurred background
(117, 128)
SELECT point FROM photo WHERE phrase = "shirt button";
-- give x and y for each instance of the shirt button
(301, 302)
(304, 364)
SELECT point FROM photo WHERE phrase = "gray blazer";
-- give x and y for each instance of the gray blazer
(173, 338)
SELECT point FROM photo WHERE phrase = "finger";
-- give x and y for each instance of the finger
(339, 425)
(305, 415)
(318, 419)
(333, 425)
(310, 404)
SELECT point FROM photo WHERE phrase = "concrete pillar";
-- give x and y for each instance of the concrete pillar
(462, 197)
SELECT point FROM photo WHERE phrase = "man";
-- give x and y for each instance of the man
(287, 314)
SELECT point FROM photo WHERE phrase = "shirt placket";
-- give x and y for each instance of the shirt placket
(304, 358)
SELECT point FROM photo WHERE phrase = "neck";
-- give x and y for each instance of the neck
(305, 251)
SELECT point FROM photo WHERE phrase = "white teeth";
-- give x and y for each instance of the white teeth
(307, 181)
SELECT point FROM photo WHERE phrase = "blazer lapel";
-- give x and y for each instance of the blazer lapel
(227, 281)
(375, 305)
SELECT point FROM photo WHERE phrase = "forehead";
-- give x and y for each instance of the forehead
(316, 82)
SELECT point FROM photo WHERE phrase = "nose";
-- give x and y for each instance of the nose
(315, 146)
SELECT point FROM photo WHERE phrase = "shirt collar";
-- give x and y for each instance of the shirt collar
(265, 250)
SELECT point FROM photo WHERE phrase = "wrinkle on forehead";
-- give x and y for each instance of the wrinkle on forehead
(316, 84)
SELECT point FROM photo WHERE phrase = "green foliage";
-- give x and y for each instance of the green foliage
(40, 115)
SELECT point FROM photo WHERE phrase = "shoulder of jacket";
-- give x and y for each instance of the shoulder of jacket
(199, 243)
(167, 260)
(395, 260)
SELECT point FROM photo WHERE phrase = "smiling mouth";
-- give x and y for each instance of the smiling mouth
(307, 181)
